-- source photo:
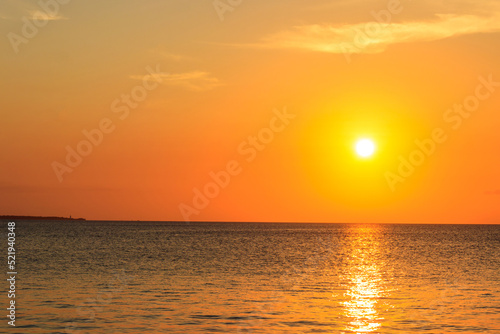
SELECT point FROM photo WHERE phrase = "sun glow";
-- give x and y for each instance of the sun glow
(365, 148)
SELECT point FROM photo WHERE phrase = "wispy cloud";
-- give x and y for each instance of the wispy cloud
(373, 37)
(40, 15)
(194, 80)
(16, 10)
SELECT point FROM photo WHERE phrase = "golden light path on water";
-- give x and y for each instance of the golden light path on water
(363, 280)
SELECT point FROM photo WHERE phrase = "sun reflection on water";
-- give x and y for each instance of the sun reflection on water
(363, 281)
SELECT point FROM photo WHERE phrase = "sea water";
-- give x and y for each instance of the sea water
(160, 277)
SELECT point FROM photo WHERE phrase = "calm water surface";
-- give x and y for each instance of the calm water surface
(135, 277)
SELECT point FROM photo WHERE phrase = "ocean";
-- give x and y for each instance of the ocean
(162, 277)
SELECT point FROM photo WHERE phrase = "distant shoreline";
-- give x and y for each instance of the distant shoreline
(38, 218)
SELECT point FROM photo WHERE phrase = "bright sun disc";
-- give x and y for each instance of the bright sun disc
(365, 147)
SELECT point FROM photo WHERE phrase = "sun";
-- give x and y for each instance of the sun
(365, 147)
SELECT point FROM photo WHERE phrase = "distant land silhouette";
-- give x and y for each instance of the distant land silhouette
(14, 218)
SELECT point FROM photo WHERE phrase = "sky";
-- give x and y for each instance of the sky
(238, 110)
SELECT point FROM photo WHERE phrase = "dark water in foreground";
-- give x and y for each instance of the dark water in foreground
(132, 277)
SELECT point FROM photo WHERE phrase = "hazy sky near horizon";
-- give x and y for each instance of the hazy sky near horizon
(304, 79)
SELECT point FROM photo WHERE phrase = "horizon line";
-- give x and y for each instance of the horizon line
(29, 217)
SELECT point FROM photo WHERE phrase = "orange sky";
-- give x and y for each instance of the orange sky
(275, 92)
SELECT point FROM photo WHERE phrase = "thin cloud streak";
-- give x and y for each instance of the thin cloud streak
(40, 15)
(374, 37)
(194, 80)
(17, 10)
